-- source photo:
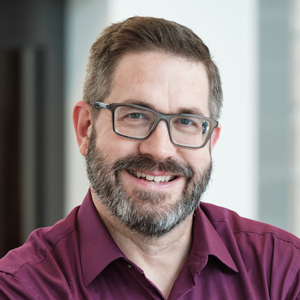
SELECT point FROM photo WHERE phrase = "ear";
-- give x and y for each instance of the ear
(82, 123)
(215, 136)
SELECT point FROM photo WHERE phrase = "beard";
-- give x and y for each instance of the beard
(143, 212)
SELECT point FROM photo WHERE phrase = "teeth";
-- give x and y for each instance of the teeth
(156, 179)
(149, 177)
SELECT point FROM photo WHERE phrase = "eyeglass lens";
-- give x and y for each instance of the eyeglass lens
(137, 123)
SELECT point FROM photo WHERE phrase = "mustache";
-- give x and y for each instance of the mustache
(144, 162)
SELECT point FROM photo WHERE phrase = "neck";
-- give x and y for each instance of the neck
(155, 256)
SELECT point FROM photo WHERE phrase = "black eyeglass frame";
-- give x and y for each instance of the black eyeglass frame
(159, 116)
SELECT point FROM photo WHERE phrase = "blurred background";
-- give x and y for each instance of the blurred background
(44, 46)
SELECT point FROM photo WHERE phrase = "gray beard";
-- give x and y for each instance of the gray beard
(143, 212)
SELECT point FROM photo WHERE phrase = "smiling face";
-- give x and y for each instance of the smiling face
(151, 185)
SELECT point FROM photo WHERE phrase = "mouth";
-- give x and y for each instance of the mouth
(151, 178)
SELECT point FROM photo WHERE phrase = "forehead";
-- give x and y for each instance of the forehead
(161, 81)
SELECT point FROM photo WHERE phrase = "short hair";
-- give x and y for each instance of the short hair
(146, 34)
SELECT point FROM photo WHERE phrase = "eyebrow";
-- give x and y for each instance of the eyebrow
(181, 110)
(190, 111)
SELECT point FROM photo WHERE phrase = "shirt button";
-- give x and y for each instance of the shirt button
(130, 266)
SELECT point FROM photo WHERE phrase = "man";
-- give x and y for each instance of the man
(147, 127)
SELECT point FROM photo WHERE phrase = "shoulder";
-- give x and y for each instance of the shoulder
(44, 254)
(226, 219)
(261, 251)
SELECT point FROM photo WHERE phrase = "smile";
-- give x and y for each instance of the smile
(156, 179)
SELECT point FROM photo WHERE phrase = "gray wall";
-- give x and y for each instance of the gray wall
(274, 109)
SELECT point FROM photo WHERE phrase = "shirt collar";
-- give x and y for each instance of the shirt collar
(95, 242)
(97, 248)
(206, 241)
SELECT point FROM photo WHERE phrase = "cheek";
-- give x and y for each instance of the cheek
(116, 146)
(110, 144)
(197, 159)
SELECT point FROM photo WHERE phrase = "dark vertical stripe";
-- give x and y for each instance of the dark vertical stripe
(40, 136)
(9, 150)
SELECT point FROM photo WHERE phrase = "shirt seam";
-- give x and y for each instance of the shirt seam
(54, 246)
(44, 250)
(268, 232)
(258, 233)
(10, 274)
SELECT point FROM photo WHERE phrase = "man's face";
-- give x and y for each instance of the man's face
(175, 176)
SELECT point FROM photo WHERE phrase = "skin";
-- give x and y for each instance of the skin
(168, 84)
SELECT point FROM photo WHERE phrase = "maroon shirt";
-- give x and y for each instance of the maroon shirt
(231, 258)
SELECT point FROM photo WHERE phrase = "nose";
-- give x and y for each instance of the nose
(158, 145)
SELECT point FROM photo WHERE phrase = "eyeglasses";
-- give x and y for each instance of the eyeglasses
(138, 122)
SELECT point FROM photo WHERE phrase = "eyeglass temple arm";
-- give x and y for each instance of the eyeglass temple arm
(97, 104)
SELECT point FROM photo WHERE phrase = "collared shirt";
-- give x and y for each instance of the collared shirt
(231, 258)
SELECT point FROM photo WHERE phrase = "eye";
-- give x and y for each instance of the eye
(205, 127)
(135, 116)
(184, 121)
